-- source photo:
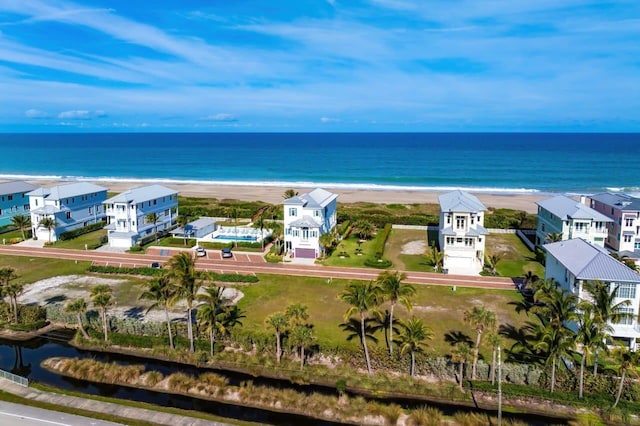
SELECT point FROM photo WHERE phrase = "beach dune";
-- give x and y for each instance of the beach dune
(273, 194)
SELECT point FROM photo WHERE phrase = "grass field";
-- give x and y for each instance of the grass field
(90, 239)
(346, 254)
(31, 269)
(397, 250)
(516, 257)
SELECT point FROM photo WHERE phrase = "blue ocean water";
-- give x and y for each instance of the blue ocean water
(483, 162)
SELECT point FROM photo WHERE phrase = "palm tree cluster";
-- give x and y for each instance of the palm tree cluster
(292, 325)
(365, 299)
(565, 330)
(11, 289)
(22, 223)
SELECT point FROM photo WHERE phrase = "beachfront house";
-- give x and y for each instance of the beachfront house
(573, 262)
(130, 214)
(564, 218)
(14, 200)
(306, 218)
(198, 228)
(461, 233)
(67, 207)
(624, 229)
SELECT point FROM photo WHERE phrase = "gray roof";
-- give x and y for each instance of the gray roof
(589, 262)
(67, 191)
(305, 222)
(477, 231)
(460, 201)
(567, 208)
(47, 210)
(318, 198)
(448, 231)
(194, 225)
(142, 194)
(16, 187)
(618, 200)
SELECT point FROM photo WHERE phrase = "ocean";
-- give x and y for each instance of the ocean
(481, 162)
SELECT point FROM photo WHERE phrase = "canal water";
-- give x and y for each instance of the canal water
(24, 358)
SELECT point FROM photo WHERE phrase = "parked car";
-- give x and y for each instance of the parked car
(226, 253)
(156, 265)
(201, 252)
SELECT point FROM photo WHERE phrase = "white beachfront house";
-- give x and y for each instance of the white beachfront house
(624, 230)
(306, 218)
(573, 262)
(70, 206)
(14, 200)
(570, 218)
(127, 214)
(461, 232)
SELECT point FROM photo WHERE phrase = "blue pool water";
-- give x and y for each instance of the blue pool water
(225, 237)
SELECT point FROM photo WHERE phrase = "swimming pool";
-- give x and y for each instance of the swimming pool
(232, 237)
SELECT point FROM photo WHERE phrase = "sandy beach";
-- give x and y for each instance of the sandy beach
(272, 194)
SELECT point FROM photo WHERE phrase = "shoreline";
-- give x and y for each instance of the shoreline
(272, 193)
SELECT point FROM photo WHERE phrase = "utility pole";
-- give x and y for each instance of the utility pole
(499, 387)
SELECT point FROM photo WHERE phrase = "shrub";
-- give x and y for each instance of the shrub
(378, 263)
(15, 240)
(381, 240)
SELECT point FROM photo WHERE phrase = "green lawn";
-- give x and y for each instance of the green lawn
(14, 234)
(346, 253)
(516, 257)
(90, 239)
(31, 269)
(399, 246)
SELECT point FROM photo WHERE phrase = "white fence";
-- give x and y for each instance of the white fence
(15, 378)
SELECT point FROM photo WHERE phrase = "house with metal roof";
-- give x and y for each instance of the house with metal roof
(70, 206)
(573, 262)
(14, 200)
(624, 230)
(568, 218)
(129, 214)
(306, 218)
(461, 232)
(198, 228)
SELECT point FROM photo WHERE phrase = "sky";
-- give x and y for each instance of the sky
(319, 65)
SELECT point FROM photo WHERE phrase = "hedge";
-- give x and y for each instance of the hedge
(148, 271)
(381, 240)
(69, 235)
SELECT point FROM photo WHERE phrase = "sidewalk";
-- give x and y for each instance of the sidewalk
(105, 407)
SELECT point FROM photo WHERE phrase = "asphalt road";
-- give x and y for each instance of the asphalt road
(22, 415)
(250, 263)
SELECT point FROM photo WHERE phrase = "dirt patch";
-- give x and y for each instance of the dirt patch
(415, 247)
(59, 290)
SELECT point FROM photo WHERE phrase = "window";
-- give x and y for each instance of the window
(293, 211)
(155, 202)
(167, 212)
(450, 240)
(448, 219)
(543, 230)
(68, 215)
(0, 211)
(90, 210)
(628, 221)
(627, 238)
(626, 291)
(36, 202)
(316, 213)
(636, 245)
(468, 242)
(459, 240)
(626, 317)
(10, 197)
(26, 207)
(459, 222)
(580, 226)
(305, 233)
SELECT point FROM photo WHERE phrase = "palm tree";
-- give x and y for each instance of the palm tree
(211, 312)
(289, 193)
(394, 290)
(302, 337)
(183, 221)
(79, 308)
(233, 212)
(480, 318)
(364, 229)
(412, 339)
(279, 323)
(6, 276)
(363, 298)
(161, 292)
(436, 258)
(296, 315)
(628, 362)
(260, 221)
(607, 311)
(529, 278)
(21, 222)
(13, 290)
(48, 223)
(495, 340)
(182, 270)
(153, 218)
(461, 354)
(327, 241)
(492, 262)
(590, 332)
(101, 297)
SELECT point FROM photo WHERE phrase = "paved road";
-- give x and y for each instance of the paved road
(254, 263)
(23, 415)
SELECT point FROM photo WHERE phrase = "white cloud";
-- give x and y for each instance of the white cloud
(222, 117)
(36, 113)
(81, 114)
